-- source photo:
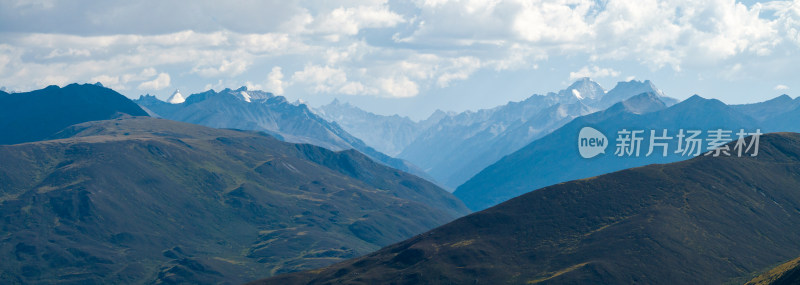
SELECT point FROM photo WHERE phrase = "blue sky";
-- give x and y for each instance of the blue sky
(406, 57)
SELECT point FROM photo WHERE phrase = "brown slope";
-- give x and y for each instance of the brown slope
(142, 200)
(703, 221)
(784, 274)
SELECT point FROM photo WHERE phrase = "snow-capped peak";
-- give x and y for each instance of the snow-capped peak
(245, 95)
(176, 98)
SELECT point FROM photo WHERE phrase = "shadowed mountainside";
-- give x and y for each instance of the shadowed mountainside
(707, 220)
(36, 115)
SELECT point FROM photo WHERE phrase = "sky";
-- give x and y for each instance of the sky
(403, 57)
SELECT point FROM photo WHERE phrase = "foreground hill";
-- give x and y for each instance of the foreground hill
(702, 221)
(784, 274)
(144, 200)
(36, 115)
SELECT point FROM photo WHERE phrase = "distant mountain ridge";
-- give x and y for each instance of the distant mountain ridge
(554, 158)
(388, 134)
(452, 147)
(461, 145)
(262, 111)
(36, 115)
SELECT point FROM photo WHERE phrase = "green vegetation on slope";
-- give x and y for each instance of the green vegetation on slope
(141, 200)
(702, 221)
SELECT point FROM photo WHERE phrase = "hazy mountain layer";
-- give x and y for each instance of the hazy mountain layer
(555, 157)
(387, 134)
(460, 145)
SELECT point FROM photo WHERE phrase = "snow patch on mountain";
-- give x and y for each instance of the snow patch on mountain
(176, 98)
(577, 94)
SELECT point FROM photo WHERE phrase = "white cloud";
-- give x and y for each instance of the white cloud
(253, 86)
(226, 67)
(112, 82)
(399, 87)
(53, 80)
(106, 79)
(148, 72)
(10, 57)
(160, 82)
(356, 88)
(553, 22)
(677, 33)
(781, 87)
(593, 72)
(325, 49)
(45, 4)
(458, 69)
(266, 43)
(322, 79)
(349, 21)
(275, 82)
(670, 33)
(68, 52)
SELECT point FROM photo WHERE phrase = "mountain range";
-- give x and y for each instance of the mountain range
(555, 158)
(708, 220)
(779, 114)
(387, 134)
(98, 189)
(134, 199)
(452, 147)
(262, 111)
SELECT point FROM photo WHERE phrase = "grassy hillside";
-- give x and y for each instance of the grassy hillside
(143, 200)
(707, 220)
(784, 274)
